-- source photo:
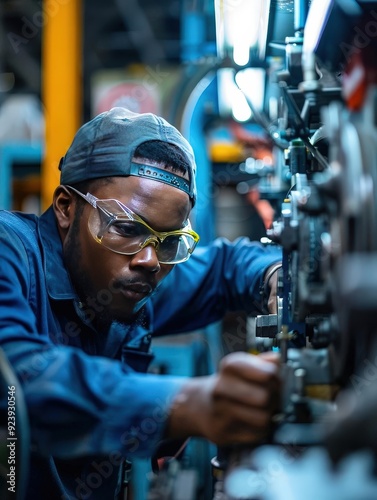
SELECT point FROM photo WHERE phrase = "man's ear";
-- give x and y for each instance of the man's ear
(64, 208)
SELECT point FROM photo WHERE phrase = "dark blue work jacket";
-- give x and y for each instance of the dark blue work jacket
(88, 401)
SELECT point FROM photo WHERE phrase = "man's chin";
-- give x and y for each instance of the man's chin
(127, 315)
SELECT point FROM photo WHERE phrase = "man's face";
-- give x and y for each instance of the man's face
(114, 286)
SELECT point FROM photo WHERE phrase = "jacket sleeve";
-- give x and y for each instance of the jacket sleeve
(224, 276)
(78, 405)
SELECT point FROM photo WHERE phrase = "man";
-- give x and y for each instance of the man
(82, 291)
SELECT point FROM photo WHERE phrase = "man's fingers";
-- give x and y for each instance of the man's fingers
(235, 405)
(247, 417)
(249, 367)
(242, 425)
(271, 357)
(241, 392)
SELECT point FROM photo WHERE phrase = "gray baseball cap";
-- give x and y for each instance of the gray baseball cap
(105, 146)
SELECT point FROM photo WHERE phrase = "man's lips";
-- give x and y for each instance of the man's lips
(136, 291)
(144, 288)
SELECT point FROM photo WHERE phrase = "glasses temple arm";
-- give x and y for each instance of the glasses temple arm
(91, 199)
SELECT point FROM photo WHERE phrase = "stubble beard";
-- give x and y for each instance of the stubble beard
(83, 285)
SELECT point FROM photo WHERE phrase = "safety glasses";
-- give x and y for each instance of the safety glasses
(117, 228)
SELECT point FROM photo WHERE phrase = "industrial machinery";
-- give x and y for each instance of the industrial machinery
(323, 442)
(324, 185)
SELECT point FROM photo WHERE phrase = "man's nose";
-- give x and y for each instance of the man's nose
(147, 257)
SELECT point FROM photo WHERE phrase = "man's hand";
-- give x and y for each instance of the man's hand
(234, 406)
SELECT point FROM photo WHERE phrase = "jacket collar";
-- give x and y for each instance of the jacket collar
(58, 282)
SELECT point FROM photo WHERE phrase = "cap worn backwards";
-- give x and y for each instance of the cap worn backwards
(105, 146)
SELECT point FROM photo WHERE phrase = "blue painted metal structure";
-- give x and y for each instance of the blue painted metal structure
(11, 153)
(179, 356)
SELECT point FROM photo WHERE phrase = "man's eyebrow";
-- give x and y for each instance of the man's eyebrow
(163, 230)
(153, 226)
